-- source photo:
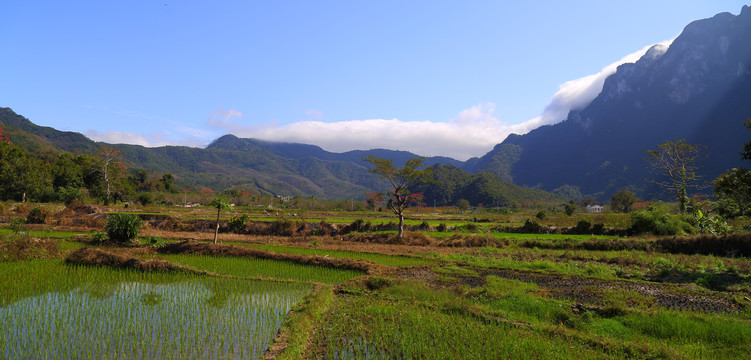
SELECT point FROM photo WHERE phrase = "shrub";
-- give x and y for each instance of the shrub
(69, 194)
(531, 227)
(442, 227)
(282, 227)
(16, 224)
(99, 237)
(144, 198)
(123, 227)
(424, 226)
(377, 282)
(541, 215)
(582, 227)
(238, 224)
(37, 215)
(658, 222)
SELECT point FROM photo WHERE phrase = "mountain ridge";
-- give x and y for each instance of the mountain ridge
(697, 89)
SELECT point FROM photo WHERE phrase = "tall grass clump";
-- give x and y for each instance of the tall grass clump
(123, 227)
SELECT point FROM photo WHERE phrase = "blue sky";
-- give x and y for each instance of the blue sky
(435, 78)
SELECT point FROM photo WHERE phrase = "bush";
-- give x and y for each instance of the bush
(37, 215)
(531, 227)
(238, 224)
(541, 215)
(144, 198)
(442, 227)
(123, 227)
(69, 194)
(377, 282)
(583, 227)
(16, 224)
(657, 221)
(282, 227)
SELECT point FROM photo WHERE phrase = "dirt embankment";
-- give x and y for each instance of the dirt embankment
(197, 248)
(124, 259)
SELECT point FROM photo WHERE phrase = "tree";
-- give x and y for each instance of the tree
(401, 180)
(373, 200)
(622, 201)
(733, 191)
(3, 137)
(674, 164)
(220, 203)
(167, 181)
(570, 208)
(462, 204)
(746, 154)
(23, 176)
(733, 188)
(109, 154)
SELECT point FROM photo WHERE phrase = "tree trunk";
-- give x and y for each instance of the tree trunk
(216, 232)
(401, 226)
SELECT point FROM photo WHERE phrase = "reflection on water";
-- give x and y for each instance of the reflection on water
(198, 319)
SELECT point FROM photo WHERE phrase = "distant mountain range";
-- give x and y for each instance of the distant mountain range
(270, 168)
(698, 89)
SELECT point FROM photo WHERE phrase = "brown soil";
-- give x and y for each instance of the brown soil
(189, 247)
(591, 290)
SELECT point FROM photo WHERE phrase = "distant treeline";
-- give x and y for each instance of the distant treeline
(448, 185)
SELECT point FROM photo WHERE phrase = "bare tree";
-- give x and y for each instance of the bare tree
(674, 165)
(108, 154)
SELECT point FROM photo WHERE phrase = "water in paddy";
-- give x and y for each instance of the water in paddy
(192, 319)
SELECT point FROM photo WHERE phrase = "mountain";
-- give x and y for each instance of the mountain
(302, 151)
(698, 89)
(268, 167)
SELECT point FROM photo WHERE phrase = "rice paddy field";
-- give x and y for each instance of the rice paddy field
(540, 296)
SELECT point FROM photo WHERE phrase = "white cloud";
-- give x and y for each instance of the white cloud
(471, 133)
(576, 94)
(148, 140)
(223, 118)
(313, 114)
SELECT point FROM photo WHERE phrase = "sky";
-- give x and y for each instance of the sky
(448, 78)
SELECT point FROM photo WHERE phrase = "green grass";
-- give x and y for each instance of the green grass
(264, 268)
(46, 233)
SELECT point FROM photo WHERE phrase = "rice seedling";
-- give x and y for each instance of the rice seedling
(104, 313)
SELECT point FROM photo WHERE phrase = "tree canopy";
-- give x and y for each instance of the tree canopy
(401, 180)
(674, 165)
